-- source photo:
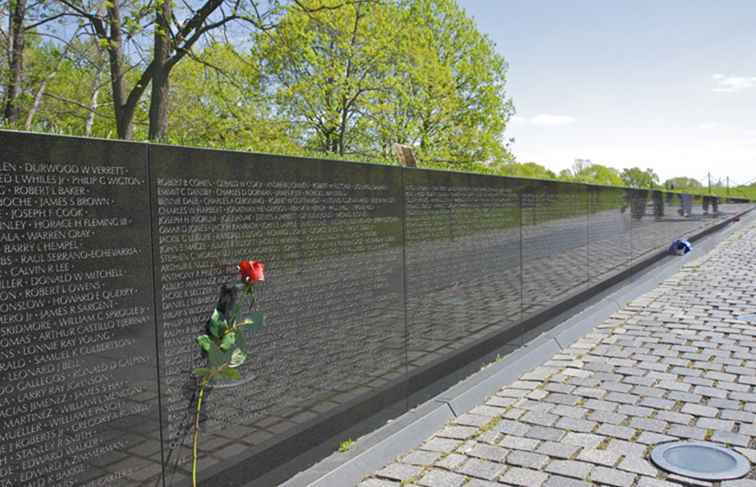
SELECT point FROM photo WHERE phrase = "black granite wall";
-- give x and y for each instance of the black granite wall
(378, 279)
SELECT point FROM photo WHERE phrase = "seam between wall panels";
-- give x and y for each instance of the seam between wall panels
(154, 255)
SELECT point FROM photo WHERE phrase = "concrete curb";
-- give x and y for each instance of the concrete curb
(373, 451)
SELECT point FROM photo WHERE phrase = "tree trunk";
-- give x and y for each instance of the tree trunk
(15, 59)
(124, 113)
(160, 76)
(93, 104)
(43, 86)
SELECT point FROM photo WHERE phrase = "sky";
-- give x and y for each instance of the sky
(669, 85)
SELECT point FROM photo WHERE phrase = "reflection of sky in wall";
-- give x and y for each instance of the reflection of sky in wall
(669, 85)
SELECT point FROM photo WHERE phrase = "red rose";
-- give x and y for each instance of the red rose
(252, 270)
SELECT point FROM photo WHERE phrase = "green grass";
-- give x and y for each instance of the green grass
(346, 445)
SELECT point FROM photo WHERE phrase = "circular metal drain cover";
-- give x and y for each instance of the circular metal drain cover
(749, 317)
(700, 460)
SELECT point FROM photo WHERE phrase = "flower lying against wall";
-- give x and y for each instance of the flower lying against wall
(224, 342)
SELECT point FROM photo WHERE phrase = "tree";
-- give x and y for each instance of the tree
(145, 41)
(449, 99)
(217, 102)
(682, 182)
(525, 170)
(23, 21)
(373, 74)
(584, 171)
(321, 66)
(635, 177)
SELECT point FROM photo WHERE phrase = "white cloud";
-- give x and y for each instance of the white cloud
(549, 120)
(710, 125)
(516, 119)
(732, 84)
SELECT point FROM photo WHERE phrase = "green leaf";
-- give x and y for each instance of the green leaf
(228, 341)
(217, 323)
(231, 374)
(202, 372)
(254, 321)
(204, 342)
(216, 356)
(237, 357)
(241, 340)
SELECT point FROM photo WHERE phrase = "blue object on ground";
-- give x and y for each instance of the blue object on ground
(680, 247)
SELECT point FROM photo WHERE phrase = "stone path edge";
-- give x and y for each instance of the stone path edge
(378, 448)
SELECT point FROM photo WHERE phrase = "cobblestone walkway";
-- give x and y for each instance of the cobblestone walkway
(676, 363)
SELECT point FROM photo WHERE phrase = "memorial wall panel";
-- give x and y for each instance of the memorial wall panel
(78, 396)
(554, 243)
(658, 218)
(462, 260)
(330, 234)
(113, 256)
(608, 232)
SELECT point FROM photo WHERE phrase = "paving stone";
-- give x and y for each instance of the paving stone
(473, 420)
(523, 477)
(608, 458)
(488, 452)
(526, 459)
(457, 432)
(748, 453)
(441, 478)
(615, 431)
(543, 433)
(621, 398)
(630, 448)
(710, 392)
(481, 468)
(590, 392)
(419, 457)
(638, 465)
(570, 468)
(699, 410)
(570, 411)
(513, 427)
(686, 432)
(611, 476)
(657, 403)
(639, 411)
(557, 450)
(715, 424)
(601, 405)
(442, 445)
(674, 417)
(742, 416)
(451, 461)
(489, 411)
(540, 419)
(739, 483)
(378, 483)
(518, 443)
(481, 483)
(655, 425)
(586, 440)
(607, 417)
(558, 481)
(678, 479)
(649, 482)
(649, 438)
(572, 424)
(730, 438)
(399, 471)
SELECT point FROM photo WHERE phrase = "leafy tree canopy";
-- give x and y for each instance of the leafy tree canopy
(682, 183)
(635, 177)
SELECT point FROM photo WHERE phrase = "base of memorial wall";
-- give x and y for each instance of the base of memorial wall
(380, 280)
